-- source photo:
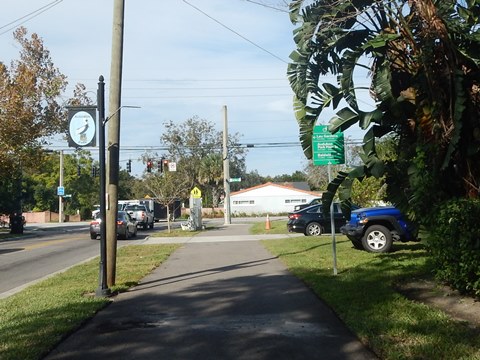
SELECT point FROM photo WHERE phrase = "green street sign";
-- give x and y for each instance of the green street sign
(328, 149)
(235, 179)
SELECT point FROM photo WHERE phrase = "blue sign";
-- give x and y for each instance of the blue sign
(60, 191)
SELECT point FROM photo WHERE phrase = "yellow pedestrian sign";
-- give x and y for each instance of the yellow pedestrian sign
(196, 193)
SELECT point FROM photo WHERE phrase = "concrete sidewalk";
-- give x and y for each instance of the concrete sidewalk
(224, 299)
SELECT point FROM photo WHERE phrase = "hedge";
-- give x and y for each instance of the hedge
(454, 243)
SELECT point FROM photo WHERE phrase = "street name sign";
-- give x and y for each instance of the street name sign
(328, 149)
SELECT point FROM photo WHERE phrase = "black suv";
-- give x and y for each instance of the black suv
(313, 221)
(374, 229)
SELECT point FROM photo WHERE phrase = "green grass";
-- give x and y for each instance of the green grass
(276, 227)
(35, 319)
(363, 295)
(177, 232)
(174, 233)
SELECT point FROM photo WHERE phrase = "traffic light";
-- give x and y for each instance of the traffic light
(149, 165)
(79, 170)
(165, 164)
(160, 166)
(94, 171)
(129, 166)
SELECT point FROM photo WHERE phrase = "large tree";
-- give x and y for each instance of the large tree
(423, 61)
(167, 188)
(196, 146)
(29, 110)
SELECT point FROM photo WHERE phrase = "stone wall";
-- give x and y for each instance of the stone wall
(48, 216)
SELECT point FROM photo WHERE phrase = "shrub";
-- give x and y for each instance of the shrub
(86, 213)
(454, 243)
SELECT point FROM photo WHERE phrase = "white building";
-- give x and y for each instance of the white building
(269, 198)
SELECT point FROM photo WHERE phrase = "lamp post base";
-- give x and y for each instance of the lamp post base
(102, 292)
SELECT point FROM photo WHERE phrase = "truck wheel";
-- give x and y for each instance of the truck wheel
(357, 243)
(313, 229)
(377, 239)
(151, 225)
(145, 226)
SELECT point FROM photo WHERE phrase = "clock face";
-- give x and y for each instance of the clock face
(82, 128)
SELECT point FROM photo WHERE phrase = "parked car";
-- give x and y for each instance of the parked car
(375, 229)
(313, 221)
(314, 201)
(126, 226)
(142, 214)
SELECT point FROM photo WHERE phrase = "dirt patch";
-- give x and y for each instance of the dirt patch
(459, 307)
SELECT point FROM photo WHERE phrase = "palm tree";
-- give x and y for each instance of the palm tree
(423, 62)
(210, 175)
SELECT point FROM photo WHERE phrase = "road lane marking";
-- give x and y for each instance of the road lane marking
(47, 243)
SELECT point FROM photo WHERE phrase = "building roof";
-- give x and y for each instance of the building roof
(270, 184)
(301, 185)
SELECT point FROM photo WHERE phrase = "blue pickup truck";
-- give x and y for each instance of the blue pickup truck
(375, 229)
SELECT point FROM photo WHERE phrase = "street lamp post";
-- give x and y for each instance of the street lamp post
(103, 289)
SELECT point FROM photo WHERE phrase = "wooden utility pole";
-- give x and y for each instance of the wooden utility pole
(226, 169)
(113, 149)
(60, 184)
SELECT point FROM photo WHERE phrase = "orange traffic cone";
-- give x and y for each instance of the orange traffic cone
(267, 223)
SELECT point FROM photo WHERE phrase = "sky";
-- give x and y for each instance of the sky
(181, 59)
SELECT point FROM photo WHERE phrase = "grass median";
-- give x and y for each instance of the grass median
(364, 296)
(35, 319)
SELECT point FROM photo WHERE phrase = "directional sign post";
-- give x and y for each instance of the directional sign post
(329, 149)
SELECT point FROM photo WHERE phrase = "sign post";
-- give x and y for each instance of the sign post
(329, 149)
(196, 207)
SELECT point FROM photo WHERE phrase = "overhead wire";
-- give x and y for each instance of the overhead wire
(29, 16)
(267, 6)
(244, 144)
(235, 32)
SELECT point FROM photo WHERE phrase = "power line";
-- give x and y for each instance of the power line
(235, 32)
(202, 80)
(29, 16)
(267, 6)
(246, 145)
(203, 96)
(204, 88)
